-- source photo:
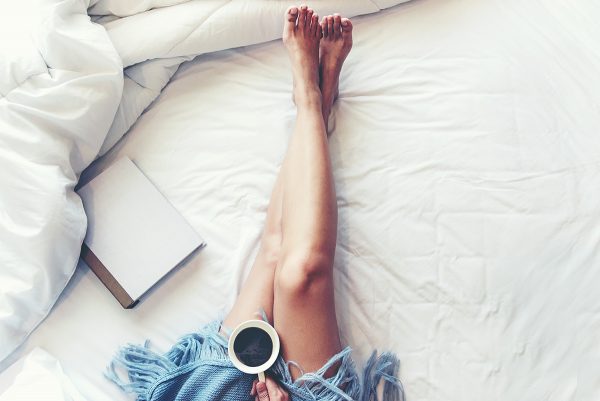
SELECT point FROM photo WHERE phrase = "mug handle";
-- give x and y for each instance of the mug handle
(261, 377)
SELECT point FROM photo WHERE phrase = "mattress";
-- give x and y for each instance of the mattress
(467, 162)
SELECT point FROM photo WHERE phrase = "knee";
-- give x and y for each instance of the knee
(301, 272)
(270, 251)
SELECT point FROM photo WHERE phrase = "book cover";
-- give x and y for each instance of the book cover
(134, 235)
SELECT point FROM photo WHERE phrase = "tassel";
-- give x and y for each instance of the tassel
(342, 386)
(145, 367)
(385, 367)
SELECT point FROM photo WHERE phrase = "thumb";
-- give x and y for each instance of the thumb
(261, 389)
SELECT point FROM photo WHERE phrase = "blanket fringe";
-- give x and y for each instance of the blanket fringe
(342, 386)
(382, 368)
(145, 367)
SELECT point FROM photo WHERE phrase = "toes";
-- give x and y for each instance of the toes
(309, 14)
(347, 30)
(290, 18)
(346, 25)
(302, 16)
(291, 14)
(324, 29)
(337, 26)
(318, 29)
(330, 26)
(317, 25)
(314, 24)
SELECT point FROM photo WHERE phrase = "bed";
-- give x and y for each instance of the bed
(467, 163)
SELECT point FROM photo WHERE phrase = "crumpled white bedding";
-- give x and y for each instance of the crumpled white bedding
(61, 87)
(41, 378)
(154, 39)
(467, 166)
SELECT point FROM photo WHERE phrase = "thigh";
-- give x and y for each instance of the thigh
(304, 316)
(257, 291)
(256, 294)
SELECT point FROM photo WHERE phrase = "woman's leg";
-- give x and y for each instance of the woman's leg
(257, 291)
(304, 310)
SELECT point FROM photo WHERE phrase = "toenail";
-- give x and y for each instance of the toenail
(293, 10)
(345, 22)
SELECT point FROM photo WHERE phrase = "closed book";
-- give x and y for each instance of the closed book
(134, 235)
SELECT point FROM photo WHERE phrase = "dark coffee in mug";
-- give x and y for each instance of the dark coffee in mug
(253, 346)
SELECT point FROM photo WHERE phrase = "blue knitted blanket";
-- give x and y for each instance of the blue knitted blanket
(198, 368)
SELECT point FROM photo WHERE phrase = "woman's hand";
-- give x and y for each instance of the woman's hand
(268, 391)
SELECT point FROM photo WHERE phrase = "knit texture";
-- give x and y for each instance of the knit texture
(198, 368)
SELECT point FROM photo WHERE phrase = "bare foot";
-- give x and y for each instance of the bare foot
(301, 36)
(335, 46)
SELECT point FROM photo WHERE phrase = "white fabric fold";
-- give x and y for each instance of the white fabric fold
(61, 84)
(154, 42)
(41, 378)
(65, 99)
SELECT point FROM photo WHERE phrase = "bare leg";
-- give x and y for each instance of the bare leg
(304, 286)
(257, 291)
(335, 47)
(304, 310)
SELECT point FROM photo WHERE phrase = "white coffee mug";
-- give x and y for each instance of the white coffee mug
(254, 347)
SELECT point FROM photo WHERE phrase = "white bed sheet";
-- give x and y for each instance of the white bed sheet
(467, 164)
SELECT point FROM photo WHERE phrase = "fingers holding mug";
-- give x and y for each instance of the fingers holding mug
(268, 391)
(262, 393)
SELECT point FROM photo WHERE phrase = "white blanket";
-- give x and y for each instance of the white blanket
(153, 40)
(41, 378)
(60, 84)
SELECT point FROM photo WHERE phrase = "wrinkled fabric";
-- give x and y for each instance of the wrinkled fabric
(466, 160)
(66, 99)
(60, 85)
(41, 377)
(154, 37)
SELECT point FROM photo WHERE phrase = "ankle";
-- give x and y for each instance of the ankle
(308, 96)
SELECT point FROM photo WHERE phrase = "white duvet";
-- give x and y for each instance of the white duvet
(46, 374)
(60, 85)
(154, 39)
(65, 99)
